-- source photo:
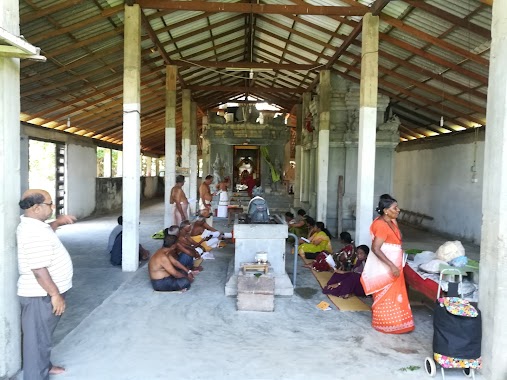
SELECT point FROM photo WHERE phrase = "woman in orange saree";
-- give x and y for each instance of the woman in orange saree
(383, 273)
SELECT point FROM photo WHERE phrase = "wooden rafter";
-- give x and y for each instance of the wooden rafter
(252, 8)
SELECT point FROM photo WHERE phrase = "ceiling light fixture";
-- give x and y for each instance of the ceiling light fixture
(251, 69)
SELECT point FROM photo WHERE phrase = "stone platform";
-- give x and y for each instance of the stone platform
(253, 238)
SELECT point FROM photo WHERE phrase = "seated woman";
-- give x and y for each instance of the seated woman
(343, 259)
(346, 257)
(320, 240)
(346, 283)
(300, 225)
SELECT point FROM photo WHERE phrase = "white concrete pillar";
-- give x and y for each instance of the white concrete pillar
(367, 127)
(204, 146)
(25, 164)
(148, 166)
(186, 105)
(170, 140)
(306, 178)
(297, 174)
(493, 263)
(312, 180)
(303, 170)
(323, 146)
(193, 156)
(131, 137)
(107, 163)
(10, 339)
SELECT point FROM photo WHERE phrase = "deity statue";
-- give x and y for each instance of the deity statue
(390, 125)
(217, 168)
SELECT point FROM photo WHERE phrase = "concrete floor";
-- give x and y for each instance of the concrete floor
(117, 327)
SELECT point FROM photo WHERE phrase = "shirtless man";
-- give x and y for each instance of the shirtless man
(205, 197)
(183, 253)
(204, 235)
(223, 198)
(167, 273)
(189, 247)
(180, 201)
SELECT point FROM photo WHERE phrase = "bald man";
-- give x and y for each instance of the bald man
(45, 274)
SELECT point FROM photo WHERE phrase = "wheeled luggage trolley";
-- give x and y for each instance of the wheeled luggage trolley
(457, 331)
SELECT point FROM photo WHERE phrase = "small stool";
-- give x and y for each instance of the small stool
(255, 267)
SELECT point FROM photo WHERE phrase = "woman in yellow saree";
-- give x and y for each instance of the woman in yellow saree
(320, 240)
(383, 272)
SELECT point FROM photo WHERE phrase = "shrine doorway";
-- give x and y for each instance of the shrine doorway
(246, 168)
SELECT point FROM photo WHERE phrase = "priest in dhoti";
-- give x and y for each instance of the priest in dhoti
(223, 198)
(206, 236)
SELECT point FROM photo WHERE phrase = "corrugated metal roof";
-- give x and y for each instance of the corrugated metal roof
(424, 50)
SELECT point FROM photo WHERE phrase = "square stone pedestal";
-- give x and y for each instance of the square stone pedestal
(256, 292)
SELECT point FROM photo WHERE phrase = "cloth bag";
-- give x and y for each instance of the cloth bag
(450, 250)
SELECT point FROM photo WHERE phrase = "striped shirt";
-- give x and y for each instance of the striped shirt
(39, 247)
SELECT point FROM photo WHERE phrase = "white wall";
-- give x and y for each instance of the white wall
(81, 173)
(436, 180)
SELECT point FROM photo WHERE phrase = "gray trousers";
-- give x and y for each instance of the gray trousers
(38, 324)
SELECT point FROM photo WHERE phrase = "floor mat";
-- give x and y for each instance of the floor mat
(350, 304)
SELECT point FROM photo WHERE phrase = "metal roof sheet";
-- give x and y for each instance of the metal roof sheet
(424, 49)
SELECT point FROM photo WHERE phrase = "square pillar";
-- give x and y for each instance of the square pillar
(367, 128)
(170, 140)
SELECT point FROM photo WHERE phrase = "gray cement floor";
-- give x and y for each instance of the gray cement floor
(117, 327)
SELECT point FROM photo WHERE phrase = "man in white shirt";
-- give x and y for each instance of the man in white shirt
(45, 274)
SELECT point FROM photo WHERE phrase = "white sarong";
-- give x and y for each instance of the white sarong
(223, 203)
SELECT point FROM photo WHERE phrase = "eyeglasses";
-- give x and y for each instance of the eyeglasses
(47, 204)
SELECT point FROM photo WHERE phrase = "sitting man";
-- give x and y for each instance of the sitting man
(204, 235)
(184, 254)
(114, 246)
(188, 247)
(167, 273)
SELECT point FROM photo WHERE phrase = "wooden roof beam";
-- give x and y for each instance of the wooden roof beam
(411, 94)
(375, 9)
(42, 12)
(399, 98)
(240, 88)
(105, 97)
(160, 47)
(479, 30)
(427, 88)
(219, 7)
(45, 35)
(247, 65)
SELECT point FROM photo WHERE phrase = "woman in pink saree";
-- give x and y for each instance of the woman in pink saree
(383, 273)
